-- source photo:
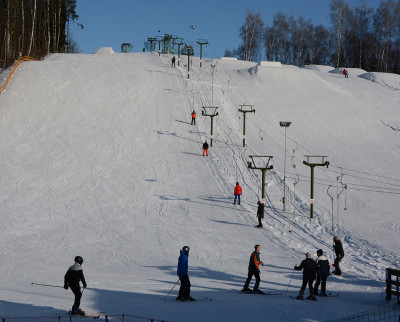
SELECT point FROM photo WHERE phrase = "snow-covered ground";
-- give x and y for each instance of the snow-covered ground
(98, 159)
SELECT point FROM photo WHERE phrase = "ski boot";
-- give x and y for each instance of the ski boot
(258, 291)
(311, 296)
(77, 311)
(246, 290)
(300, 296)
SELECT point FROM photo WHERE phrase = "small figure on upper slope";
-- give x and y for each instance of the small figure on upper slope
(71, 279)
(237, 192)
(345, 73)
(260, 213)
(205, 148)
(173, 61)
(323, 271)
(309, 268)
(193, 118)
(254, 269)
(338, 247)
(182, 272)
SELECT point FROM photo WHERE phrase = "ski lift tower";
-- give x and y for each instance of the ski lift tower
(126, 47)
(262, 164)
(246, 109)
(188, 50)
(202, 42)
(166, 40)
(312, 165)
(150, 44)
(211, 112)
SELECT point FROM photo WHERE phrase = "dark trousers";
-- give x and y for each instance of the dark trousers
(310, 285)
(259, 221)
(321, 279)
(76, 289)
(193, 121)
(250, 276)
(337, 268)
(184, 290)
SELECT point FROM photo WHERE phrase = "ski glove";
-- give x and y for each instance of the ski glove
(66, 286)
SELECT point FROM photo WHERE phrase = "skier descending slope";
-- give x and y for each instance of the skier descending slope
(182, 272)
(71, 279)
(254, 269)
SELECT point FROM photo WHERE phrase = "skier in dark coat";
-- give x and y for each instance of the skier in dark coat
(309, 268)
(254, 269)
(338, 247)
(182, 272)
(205, 148)
(71, 279)
(260, 213)
(323, 271)
(173, 61)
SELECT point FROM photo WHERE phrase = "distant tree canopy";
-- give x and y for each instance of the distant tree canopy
(358, 37)
(35, 28)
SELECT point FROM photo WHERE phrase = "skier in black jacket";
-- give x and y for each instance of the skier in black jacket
(260, 213)
(309, 270)
(71, 279)
(338, 247)
(323, 271)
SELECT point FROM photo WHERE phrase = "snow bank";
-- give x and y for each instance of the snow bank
(105, 51)
(320, 68)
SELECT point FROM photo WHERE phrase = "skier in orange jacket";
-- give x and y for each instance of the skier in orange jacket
(237, 191)
(193, 118)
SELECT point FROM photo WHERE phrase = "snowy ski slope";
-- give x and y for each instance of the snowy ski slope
(98, 159)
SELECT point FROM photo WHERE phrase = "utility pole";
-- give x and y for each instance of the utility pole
(245, 109)
(201, 42)
(188, 50)
(179, 43)
(285, 125)
(212, 113)
(323, 163)
(252, 165)
(212, 83)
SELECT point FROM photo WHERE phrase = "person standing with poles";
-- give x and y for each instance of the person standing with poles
(323, 271)
(254, 270)
(205, 148)
(193, 118)
(260, 213)
(72, 278)
(309, 268)
(237, 192)
(338, 247)
(173, 61)
(182, 272)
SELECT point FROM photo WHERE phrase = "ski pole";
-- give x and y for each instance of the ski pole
(46, 285)
(173, 287)
(290, 281)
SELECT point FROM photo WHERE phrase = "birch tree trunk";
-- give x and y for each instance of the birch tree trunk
(33, 14)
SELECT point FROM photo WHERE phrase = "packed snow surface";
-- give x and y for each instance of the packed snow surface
(98, 159)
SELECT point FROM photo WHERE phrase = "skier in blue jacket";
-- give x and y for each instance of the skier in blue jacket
(182, 272)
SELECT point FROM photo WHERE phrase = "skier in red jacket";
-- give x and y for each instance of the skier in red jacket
(237, 191)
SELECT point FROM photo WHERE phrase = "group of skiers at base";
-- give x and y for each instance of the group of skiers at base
(319, 270)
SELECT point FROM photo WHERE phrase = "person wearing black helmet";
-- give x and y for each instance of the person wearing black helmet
(182, 272)
(71, 279)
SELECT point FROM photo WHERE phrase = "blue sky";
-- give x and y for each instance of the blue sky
(109, 23)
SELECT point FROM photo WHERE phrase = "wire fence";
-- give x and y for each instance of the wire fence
(94, 317)
(385, 314)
